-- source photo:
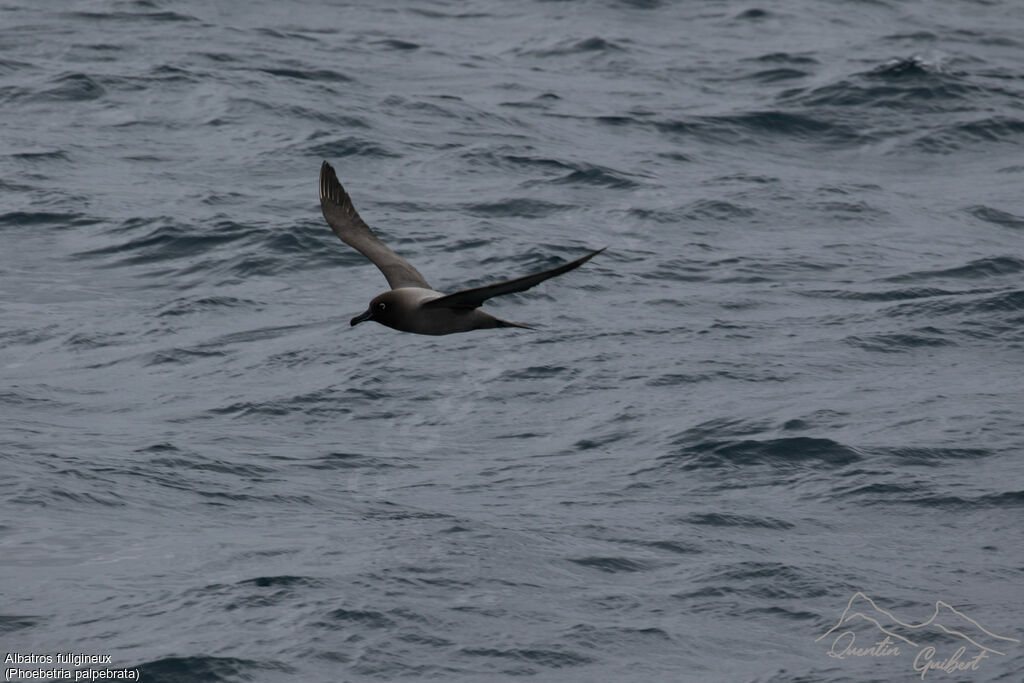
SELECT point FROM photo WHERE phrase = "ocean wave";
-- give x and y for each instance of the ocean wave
(46, 219)
(307, 74)
(789, 453)
(912, 496)
(530, 658)
(36, 156)
(73, 87)
(965, 319)
(521, 207)
(170, 241)
(950, 138)
(734, 520)
(594, 44)
(202, 304)
(996, 217)
(989, 267)
(772, 581)
(10, 623)
(794, 59)
(564, 172)
(159, 16)
(764, 127)
(394, 44)
(900, 294)
(320, 403)
(352, 146)
(209, 668)
(246, 108)
(901, 342)
(908, 85)
(933, 456)
(179, 356)
(600, 637)
(611, 565)
(778, 74)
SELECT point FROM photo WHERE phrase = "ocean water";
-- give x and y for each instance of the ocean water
(782, 412)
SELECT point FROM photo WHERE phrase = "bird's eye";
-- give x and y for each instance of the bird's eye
(381, 306)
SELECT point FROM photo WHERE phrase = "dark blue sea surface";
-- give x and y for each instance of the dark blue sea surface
(784, 406)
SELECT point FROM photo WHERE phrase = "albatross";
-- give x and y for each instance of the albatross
(412, 305)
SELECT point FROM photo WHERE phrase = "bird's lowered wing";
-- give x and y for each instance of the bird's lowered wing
(346, 224)
(473, 298)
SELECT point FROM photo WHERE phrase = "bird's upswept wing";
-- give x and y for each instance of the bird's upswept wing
(473, 298)
(346, 224)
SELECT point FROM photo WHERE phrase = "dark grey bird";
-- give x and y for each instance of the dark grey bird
(412, 305)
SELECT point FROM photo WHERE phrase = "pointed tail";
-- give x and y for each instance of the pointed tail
(505, 323)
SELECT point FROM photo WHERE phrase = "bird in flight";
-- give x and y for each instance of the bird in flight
(412, 305)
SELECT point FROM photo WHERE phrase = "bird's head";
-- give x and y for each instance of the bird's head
(382, 309)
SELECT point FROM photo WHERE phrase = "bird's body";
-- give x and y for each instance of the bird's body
(412, 305)
(403, 309)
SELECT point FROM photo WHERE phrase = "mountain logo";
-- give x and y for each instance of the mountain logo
(946, 624)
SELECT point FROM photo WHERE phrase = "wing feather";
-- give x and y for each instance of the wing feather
(473, 298)
(346, 224)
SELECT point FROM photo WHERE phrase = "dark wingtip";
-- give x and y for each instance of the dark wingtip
(571, 265)
(330, 187)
